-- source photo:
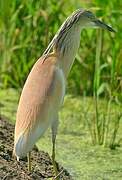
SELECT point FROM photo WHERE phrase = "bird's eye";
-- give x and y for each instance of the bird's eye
(90, 15)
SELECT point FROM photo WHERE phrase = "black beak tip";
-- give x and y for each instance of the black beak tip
(104, 26)
(111, 29)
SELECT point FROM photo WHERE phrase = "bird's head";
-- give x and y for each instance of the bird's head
(88, 19)
(78, 20)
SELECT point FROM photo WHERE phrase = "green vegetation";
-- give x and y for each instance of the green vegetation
(92, 114)
(26, 28)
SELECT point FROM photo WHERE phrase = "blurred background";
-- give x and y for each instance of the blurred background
(92, 112)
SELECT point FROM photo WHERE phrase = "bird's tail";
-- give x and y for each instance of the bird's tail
(21, 147)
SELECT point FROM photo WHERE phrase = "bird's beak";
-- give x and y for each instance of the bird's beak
(101, 24)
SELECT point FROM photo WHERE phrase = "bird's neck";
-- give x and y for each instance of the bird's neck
(67, 51)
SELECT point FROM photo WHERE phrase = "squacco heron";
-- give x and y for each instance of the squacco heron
(44, 89)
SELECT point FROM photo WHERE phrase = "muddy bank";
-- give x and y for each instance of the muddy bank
(10, 169)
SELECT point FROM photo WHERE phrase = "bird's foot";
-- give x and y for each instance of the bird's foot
(55, 170)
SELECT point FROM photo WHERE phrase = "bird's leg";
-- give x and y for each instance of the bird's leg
(54, 132)
(29, 161)
(53, 157)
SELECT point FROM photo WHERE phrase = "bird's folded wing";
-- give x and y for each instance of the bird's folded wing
(34, 94)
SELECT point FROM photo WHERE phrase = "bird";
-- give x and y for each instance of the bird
(44, 90)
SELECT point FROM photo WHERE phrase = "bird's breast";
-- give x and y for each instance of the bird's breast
(56, 94)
